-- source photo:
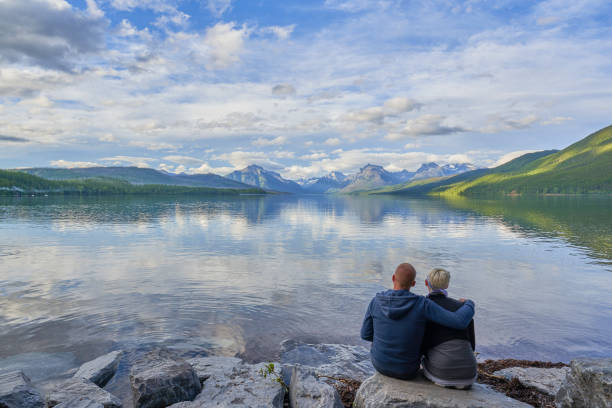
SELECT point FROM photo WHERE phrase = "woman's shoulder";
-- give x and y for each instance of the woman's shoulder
(446, 302)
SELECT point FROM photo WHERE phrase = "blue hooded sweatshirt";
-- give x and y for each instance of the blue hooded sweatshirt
(395, 324)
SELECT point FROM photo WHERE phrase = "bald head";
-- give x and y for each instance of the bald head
(404, 276)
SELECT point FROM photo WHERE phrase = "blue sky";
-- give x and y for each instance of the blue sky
(300, 87)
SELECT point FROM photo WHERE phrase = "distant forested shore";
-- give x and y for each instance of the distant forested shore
(15, 183)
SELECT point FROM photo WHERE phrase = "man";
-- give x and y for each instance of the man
(395, 324)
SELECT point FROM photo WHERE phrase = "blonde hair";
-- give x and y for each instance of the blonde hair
(438, 278)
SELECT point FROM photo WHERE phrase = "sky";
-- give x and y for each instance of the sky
(299, 87)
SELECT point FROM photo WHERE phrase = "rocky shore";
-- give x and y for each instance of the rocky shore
(308, 376)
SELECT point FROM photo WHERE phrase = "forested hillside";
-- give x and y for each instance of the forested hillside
(16, 182)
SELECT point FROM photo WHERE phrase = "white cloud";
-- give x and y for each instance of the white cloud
(41, 101)
(224, 43)
(72, 164)
(281, 32)
(332, 141)
(219, 7)
(390, 109)
(374, 114)
(153, 145)
(425, 125)
(168, 168)
(557, 120)
(107, 137)
(314, 156)
(184, 160)
(93, 9)
(503, 122)
(177, 18)
(241, 159)
(277, 141)
(128, 161)
(205, 169)
(162, 6)
(354, 6)
(401, 104)
(412, 145)
(510, 156)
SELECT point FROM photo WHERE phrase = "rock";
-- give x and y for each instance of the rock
(308, 391)
(336, 360)
(80, 403)
(238, 385)
(16, 391)
(381, 391)
(100, 370)
(206, 367)
(588, 384)
(161, 378)
(74, 388)
(546, 380)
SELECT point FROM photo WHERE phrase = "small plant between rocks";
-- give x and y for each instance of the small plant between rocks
(268, 370)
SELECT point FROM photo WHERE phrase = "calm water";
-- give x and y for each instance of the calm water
(79, 277)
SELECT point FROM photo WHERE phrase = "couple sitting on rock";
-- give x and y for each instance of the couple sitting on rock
(408, 330)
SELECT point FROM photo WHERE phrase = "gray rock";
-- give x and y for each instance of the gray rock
(308, 391)
(335, 360)
(100, 370)
(588, 384)
(161, 378)
(380, 391)
(206, 367)
(80, 403)
(81, 388)
(239, 385)
(546, 380)
(16, 391)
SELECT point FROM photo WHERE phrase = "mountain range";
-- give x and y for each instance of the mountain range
(372, 176)
(583, 167)
(369, 177)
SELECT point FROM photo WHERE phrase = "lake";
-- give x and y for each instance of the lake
(236, 276)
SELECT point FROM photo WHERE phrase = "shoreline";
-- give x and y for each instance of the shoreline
(342, 367)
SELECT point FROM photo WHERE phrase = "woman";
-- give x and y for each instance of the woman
(448, 354)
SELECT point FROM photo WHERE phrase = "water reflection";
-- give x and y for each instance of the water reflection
(237, 276)
(583, 222)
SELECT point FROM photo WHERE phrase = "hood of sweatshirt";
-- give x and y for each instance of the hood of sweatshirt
(395, 304)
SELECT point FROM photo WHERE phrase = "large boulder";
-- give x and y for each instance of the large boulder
(100, 370)
(75, 388)
(308, 391)
(588, 384)
(381, 391)
(162, 378)
(236, 384)
(80, 403)
(334, 360)
(16, 391)
(546, 380)
(207, 367)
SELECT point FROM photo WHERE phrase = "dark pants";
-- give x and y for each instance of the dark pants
(402, 376)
